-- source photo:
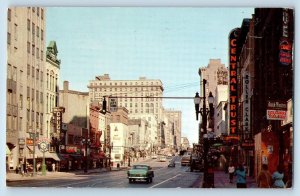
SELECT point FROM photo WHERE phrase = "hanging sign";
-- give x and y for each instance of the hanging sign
(233, 81)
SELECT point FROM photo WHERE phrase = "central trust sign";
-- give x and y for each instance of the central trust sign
(233, 95)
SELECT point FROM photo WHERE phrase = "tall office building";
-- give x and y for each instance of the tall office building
(174, 117)
(25, 80)
(137, 96)
(215, 74)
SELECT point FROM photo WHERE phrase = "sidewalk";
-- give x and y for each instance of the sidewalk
(222, 181)
(12, 176)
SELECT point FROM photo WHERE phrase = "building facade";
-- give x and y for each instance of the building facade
(138, 96)
(221, 98)
(174, 118)
(264, 72)
(26, 71)
(52, 67)
(119, 136)
(215, 74)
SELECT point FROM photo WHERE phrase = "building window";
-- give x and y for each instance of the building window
(42, 13)
(16, 32)
(42, 34)
(32, 94)
(38, 31)
(28, 47)
(42, 54)
(37, 74)
(9, 14)
(8, 38)
(33, 49)
(32, 71)
(37, 53)
(38, 11)
(41, 98)
(28, 70)
(33, 9)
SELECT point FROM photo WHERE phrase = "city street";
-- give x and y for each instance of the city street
(164, 177)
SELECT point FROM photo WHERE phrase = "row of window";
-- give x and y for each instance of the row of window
(125, 83)
(35, 30)
(136, 89)
(39, 95)
(37, 10)
(35, 73)
(35, 51)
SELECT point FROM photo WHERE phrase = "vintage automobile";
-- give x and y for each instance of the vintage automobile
(140, 172)
(162, 158)
(185, 160)
(171, 164)
(197, 164)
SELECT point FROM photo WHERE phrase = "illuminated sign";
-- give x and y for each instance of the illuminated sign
(276, 115)
(285, 45)
(233, 82)
(58, 118)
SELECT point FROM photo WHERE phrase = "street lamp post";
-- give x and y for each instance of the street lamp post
(203, 137)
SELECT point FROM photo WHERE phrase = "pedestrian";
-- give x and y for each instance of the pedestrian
(38, 166)
(53, 167)
(264, 179)
(278, 178)
(240, 174)
(231, 171)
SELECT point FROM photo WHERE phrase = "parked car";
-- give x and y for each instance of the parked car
(154, 156)
(197, 164)
(185, 160)
(140, 172)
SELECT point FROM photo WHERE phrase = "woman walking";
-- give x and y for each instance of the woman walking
(264, 179)
(240, 174)
(231, 170)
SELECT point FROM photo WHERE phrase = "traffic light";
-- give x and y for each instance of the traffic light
(104, 106)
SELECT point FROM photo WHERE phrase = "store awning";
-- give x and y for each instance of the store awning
(52, 155)
(39, 154)
(7, 151)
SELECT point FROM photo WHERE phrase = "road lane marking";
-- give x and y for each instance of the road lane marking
(164, 181)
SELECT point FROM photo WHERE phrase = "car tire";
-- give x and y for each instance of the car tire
(130, 181)
(150, 180)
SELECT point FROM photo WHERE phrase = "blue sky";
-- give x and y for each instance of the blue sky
(169, 44)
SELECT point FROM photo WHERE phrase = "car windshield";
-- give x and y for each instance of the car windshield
(140, 167)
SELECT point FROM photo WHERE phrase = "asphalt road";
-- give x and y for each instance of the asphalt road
(164, 177)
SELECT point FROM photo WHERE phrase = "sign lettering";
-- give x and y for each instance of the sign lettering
(246, 103)
(233, 102)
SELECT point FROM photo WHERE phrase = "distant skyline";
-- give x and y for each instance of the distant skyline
(169, 44)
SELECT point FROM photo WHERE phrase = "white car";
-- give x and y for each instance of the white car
(162, 159)
(154, 156)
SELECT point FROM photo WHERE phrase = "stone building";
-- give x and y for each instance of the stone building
(25, 93)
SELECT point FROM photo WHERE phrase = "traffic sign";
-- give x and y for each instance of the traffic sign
(113, 104)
